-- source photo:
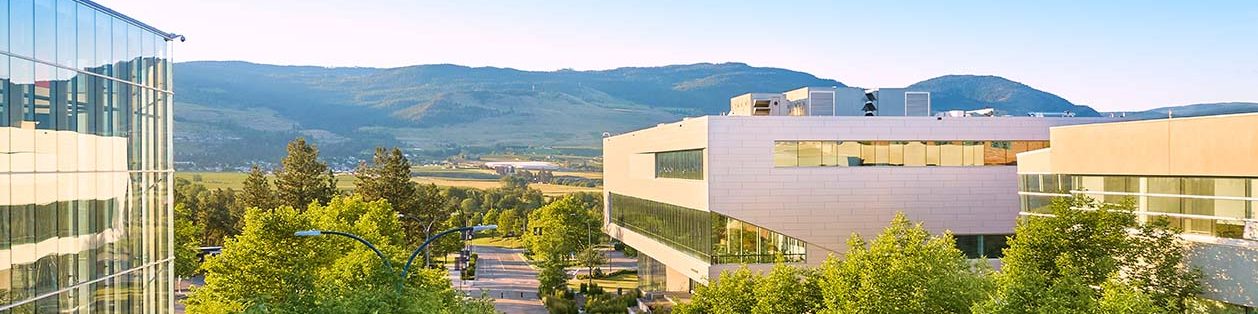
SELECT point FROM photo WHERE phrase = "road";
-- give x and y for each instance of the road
(503, 274)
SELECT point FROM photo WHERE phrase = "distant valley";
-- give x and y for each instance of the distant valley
(230, 114)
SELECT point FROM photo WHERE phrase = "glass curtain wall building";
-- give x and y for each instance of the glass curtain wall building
(85, 160)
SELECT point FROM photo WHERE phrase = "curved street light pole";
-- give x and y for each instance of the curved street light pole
(398, 289)
(315, 233)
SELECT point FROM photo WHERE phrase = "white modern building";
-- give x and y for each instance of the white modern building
(1199, 173)
(705, 194)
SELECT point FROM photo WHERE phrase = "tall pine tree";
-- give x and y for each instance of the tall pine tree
(388, 177)
(302, 178)
(257, 192)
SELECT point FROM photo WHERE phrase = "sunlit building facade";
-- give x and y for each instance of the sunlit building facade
(708, 194)
(1199, 173)
(85, 160)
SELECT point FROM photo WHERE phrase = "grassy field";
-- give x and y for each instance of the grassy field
(627, 281)
(235, 180)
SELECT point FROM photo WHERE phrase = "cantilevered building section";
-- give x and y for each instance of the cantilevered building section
(85, 160)
(706, 194)
(1200, 173)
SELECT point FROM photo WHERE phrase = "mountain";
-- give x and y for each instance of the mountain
(231, 113)
(1193, 110)
(969, 92)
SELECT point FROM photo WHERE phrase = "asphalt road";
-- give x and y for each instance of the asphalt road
(503, 274)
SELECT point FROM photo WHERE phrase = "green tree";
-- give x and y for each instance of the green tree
(302, 177)
(904, 270)
(1067, 261)
(559, 228)
(513, 182)
(491, 217)
(257, 191)
(732, 293)
(787, 289)
(217, 212)
(187, 235)
(509, 222)
(591, 257)
(469, 205)
(268, 269)
(550, 276)
(387, 177)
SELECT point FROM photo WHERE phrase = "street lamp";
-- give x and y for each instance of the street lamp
(315, 233)
(473, 229)
(427, 230)
(589, 239)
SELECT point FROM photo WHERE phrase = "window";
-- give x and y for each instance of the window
(786, 154)
(896, 153)
(709, 236)
(983, 245)
(685, 164)
(1218, 206)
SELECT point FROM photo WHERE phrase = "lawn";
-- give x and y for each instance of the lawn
(510, 243)
(627, 281)
(235, 180)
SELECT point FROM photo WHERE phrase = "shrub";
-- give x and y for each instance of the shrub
(556, 305)
(608, 303)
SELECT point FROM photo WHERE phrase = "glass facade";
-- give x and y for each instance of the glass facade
(1214, 206)
(85, 161)
(652, 275)
(682, 164)
(900, 153)
(707, 235)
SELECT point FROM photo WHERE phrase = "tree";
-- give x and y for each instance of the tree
(268, 269)
(302, 177)
(788, 289)
(509, 222)
(491, 217)
(388, 178)
(732, 293)
(590, 258)
(550, 276)
(559, 228)
(187, 235)
(1068, 262)
(514, 182)
(257, 191)
(904, 270)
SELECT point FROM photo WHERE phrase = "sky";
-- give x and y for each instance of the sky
(1113, 55)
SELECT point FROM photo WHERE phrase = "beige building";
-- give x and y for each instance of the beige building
(1201, 173)
(706, 194)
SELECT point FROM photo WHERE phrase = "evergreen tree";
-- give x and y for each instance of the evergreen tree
(302, 178)
(257, 191)
(388, 177)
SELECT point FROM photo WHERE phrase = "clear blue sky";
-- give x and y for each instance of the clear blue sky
(1113, 55)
